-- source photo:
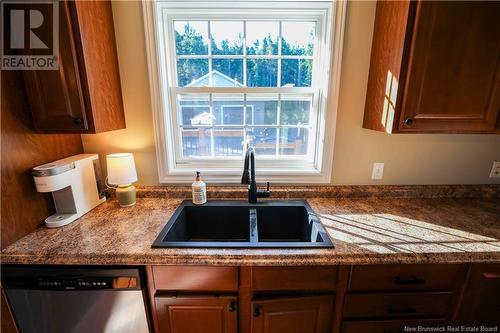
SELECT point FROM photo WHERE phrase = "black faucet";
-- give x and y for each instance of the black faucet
(248, 178)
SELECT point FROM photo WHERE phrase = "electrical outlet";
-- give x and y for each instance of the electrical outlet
(495, 170)
(378, 170)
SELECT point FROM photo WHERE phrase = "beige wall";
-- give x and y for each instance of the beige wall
(138, 137)
(409, 159)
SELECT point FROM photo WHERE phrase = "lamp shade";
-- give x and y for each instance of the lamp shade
(121, 169)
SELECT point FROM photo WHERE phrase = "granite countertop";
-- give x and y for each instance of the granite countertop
(365, 230)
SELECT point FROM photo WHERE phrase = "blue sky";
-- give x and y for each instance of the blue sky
(295, 33)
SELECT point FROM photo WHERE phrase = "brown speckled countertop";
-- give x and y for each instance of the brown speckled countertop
(364, 230)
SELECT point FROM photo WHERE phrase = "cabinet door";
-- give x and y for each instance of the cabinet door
(55, 96)
(7, 323)
(292, 315)
(453, 81)
(196, 314)
(481, 299)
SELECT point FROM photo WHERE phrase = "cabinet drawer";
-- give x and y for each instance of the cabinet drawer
(293, 278)
(387, 326)
(195, 278)
(405, 277)
(400, 305)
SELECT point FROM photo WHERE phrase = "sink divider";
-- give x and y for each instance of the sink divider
(254, 232)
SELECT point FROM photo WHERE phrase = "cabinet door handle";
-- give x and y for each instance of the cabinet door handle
(77, 120)
(232, 306)
(410, 281)
(256, 311)
(402, 310)
(408, 121)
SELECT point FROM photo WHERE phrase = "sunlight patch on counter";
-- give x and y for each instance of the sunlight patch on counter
(388, 233)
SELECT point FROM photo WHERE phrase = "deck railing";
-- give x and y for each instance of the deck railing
(196, 142)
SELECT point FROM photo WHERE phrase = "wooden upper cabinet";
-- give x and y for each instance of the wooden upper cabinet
(197, 314)
(435, 68)
(481, 299)
(84, 95)
(293, 315)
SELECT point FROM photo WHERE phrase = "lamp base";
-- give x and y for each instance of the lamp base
(126, 195)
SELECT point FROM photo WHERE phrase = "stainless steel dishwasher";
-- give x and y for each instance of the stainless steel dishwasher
(64, 300)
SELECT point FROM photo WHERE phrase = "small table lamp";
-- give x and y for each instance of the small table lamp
(121, 172)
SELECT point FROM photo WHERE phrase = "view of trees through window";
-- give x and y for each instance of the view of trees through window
(242, 54)
(263, 45)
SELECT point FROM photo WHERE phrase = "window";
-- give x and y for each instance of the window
(227, 74)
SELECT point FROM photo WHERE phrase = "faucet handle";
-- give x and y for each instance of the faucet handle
(264, 194)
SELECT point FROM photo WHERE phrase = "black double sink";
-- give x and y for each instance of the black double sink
(230, 224)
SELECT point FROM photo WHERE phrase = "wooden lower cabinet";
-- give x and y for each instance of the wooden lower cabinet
(397, 305)
(417, 277)
(203, 279)
(293, 315)
(481, 299)
(294, 279)
(359, 299)
(7, 322)
(197, 314)
(388, 298)
(387, 326)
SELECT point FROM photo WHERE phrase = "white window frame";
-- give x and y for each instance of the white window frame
(326, 70)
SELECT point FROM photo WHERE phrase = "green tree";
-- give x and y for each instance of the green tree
(260, 72)
(190, 42)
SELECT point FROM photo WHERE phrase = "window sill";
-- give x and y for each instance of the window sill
(233, 176)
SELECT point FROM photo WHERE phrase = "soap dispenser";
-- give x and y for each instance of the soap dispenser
(199, 189)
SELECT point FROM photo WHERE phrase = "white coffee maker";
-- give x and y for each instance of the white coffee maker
(76, 185)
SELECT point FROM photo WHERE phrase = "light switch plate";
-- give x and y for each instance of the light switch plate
(378, 171)
(495, 170)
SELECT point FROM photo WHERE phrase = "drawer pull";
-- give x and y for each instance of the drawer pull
(411, 281)
(256, 311)
(403, 310)
(232, 306)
